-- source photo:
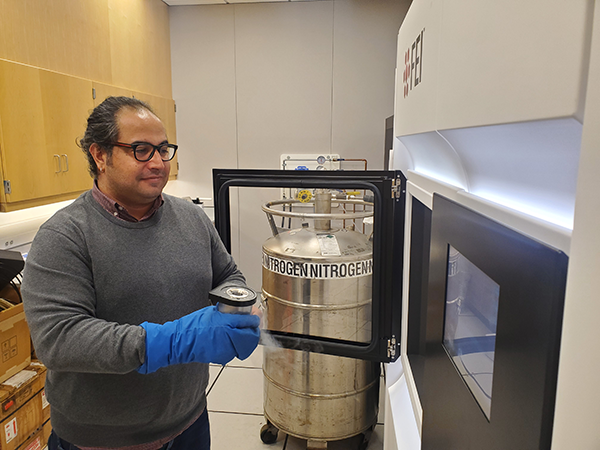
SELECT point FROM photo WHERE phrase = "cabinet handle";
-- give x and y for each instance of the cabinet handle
(59, 164)
(66, 162)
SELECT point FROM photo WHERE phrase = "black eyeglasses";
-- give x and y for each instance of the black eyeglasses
(144, 151)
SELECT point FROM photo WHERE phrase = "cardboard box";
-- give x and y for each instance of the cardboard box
(39, 440)
(15, 342)
(14, 296)
(22, 424)
(17, 390)
(23, 409)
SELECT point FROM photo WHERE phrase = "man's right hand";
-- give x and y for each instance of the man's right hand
(206, 336)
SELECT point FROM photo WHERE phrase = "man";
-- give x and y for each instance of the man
(115, 291)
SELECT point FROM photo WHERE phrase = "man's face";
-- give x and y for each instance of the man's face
(132, 183)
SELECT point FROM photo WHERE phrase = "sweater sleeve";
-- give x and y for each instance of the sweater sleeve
(59, 300)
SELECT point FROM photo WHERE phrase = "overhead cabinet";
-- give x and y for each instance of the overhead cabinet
(66, 104)
(43, 116)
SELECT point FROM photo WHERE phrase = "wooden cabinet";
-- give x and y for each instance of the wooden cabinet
(101, 91)
(42, 118)
(66, 104)
(41, 115)
(25, 166)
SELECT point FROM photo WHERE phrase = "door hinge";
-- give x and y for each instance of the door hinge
(397, 188)
(7, 189)
(392, 347)
(94, 93)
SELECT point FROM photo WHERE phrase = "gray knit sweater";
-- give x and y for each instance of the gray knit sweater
(90, 279)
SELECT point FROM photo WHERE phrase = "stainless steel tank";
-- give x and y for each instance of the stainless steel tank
(317, 281)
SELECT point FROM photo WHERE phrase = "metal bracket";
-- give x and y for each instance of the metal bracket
(397, 188)
(391, 347)
(7, 189)
(274, 229)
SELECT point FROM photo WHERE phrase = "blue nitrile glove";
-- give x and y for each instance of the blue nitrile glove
(206, 335)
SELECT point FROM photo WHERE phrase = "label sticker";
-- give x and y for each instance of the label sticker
(20, 378)
(318, 271)
(35, 445)
(10, 430)
(44, 401)
(329, 245)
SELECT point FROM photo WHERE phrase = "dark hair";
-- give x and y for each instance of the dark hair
(102, 127)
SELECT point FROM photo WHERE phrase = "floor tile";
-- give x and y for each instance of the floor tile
(255, 360)
(376, 441)
(240, 432)
(238, 390)
(235, 404)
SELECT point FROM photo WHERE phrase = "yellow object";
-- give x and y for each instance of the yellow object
(304, 196)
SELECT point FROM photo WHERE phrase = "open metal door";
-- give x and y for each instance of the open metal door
(386, 194)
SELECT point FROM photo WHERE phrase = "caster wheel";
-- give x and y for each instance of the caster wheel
(268, 433)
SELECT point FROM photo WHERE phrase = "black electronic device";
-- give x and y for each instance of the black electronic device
(490, 375)
(11, 264)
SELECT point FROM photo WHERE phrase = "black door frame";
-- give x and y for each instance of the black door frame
(389, 189)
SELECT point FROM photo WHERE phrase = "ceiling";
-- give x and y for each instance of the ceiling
(224, 2)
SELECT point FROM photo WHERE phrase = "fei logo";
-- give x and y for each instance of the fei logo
(413, 64)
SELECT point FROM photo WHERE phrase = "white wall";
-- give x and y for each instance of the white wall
(253, 81)
(18, 228)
